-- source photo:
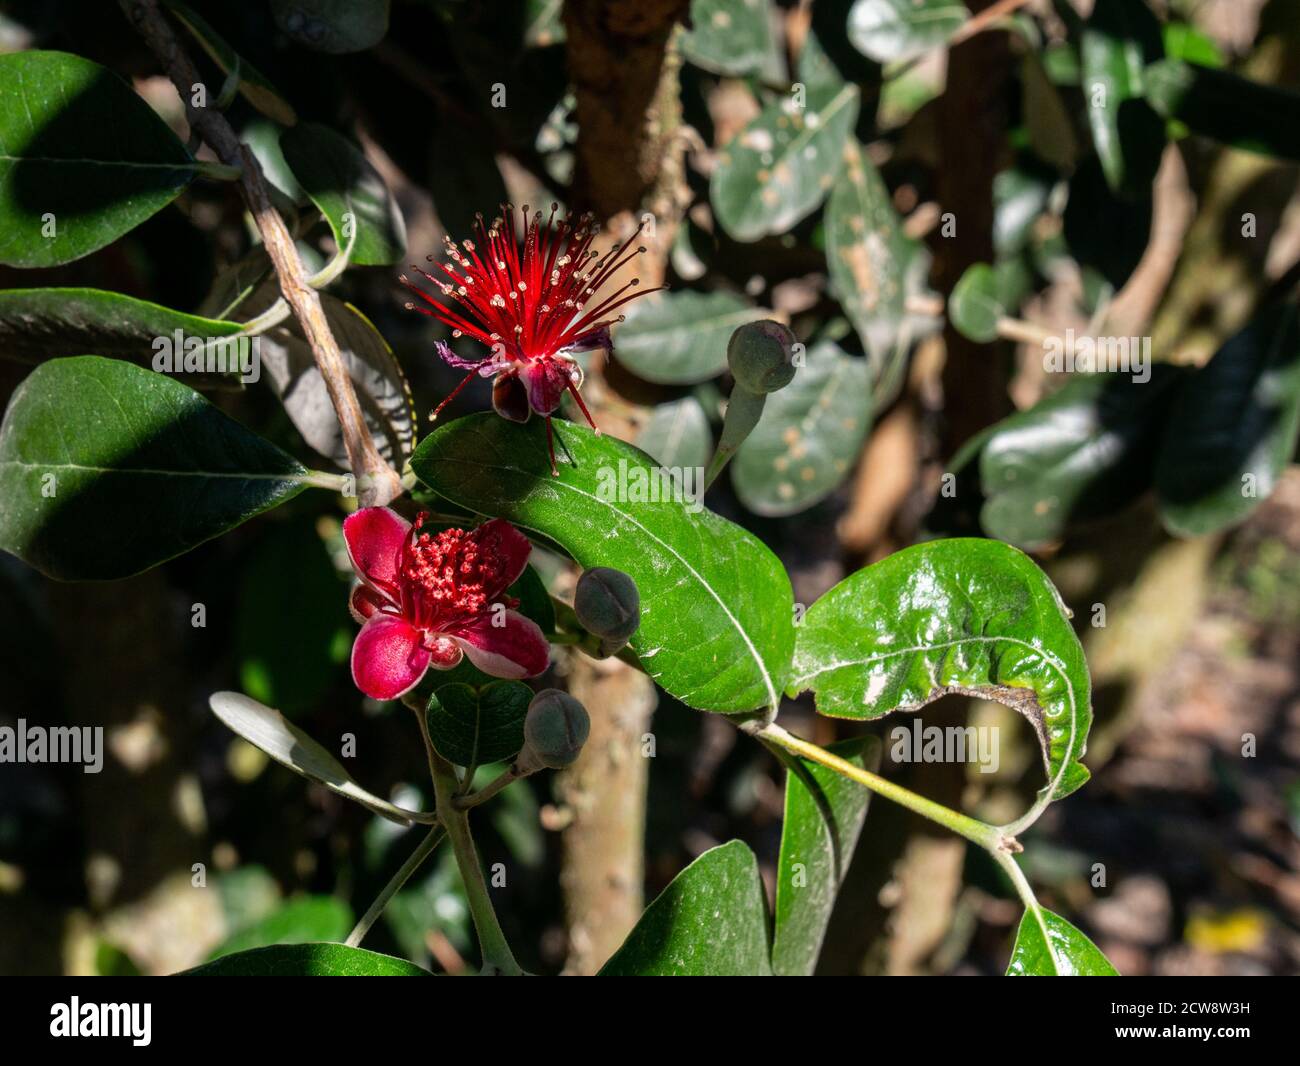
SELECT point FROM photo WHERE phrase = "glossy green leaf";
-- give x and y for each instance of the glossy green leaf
(1049, 946)
(824, 813)
(729, 36)
(711, 921)
(1233, 428)
(41, 324)
(1020, 199)
(471, 726)
(866, 253)
(349, 192)
(107, 469)
(809, 436)
(680, 338)
(716, 624)
(963, 615)
(1084, 452)
(1233, 110)
(678, 435)
(268, 730)
(777, 169)
(289, 575)
(300, 921)
(891, 30)
(1117, 41)
(253, 84)
(307, 960)
(83, 159)
(973, 307)
(334, 26)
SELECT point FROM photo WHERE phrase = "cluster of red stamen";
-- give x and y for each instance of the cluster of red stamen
(532, 301)
(447, 576)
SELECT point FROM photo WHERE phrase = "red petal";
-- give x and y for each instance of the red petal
(375, 537)
(547, 379)
(510, 546)
(388, 659)
(513, 650)
(365, 601)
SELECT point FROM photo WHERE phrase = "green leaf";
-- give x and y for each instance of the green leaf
(716, 624)
(681, 338)
(973, 307)
(307, 960)
(290, 576)
(1049, 946)
(729, 36)
(1047, 121)
(711, 921)
(1084, 452)
(809, 436)
(253, 84)
(963, 615)
(107, 469)
(1184, 41)
(471, 726)
(334, 26)
(892, 30)
(300, 921)
(1231, 109)
(268, 730)
(1233, 428)
(867, 254)
(83, 159)
(678, 435)
(1117, 41)
(824, 813)
(41, 324)
(777, 169)
(349, 192)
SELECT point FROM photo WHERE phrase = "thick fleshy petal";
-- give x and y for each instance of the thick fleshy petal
(510, 398)
(365, 601)
(512, 549)
(375, 537)
(444, 653)
(388, 658)
(547, 380)
(513, 650)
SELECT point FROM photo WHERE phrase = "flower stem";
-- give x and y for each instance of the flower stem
(986, 836)
(497, 956)
(427, 845)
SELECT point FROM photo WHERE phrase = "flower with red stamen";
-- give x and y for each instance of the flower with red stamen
(428, 599)
(535, 307)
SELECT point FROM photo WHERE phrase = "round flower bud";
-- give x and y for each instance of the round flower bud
(607, 604)
(761, 356)
(555, 729)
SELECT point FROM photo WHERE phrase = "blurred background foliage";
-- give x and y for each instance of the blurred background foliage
(923, 334)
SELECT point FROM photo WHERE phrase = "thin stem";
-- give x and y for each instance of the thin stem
(432, 839)
(497, 956)
(986, 836)
(509, 777)
(377, 482)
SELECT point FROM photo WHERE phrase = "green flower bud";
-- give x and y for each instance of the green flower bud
(555, 729)
(607, 604)
(761, 356)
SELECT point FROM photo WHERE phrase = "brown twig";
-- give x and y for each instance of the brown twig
(377, 482)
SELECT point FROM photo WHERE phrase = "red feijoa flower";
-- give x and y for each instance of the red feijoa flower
(428, 599)
(534, 307)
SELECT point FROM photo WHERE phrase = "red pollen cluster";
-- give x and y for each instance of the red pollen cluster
(445, 576)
